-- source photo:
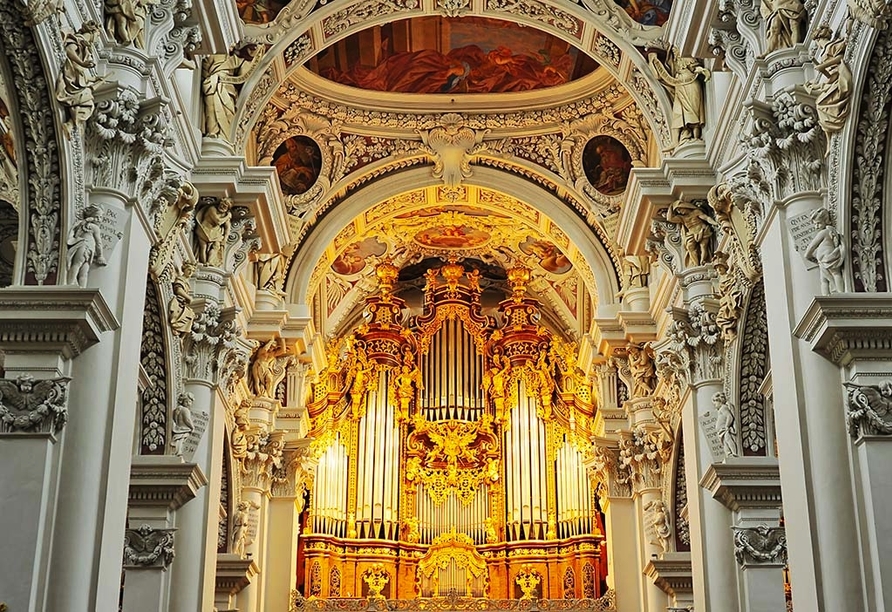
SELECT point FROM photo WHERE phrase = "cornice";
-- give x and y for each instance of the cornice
(234, 573)
(67, 320)
(848, 326)
(164, 481)
(744, 482)
(671, 573)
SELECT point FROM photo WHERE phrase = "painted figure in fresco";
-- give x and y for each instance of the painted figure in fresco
(298, 162)
(607, 165)
(649, 13)
(550, 257)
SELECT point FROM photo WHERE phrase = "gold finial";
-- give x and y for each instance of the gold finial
(387, 274)
(452, 272)
(518, 277)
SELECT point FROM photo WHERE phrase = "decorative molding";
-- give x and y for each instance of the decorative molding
(153, 358)
(146, 547)
(41, 168)
(33, 406)
(672, 573)
(848, 327)
(759, 546)
(869, 409)
(744, 482)
(163, 482)
(234, 573)
(67, 320)
(753, 365)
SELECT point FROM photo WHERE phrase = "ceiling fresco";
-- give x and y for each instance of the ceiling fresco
(451, 55)
(467, 224)
(259, 11)
(647, 12)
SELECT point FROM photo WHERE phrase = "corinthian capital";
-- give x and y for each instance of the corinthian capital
(262, 459)
(213, 336)
(614, 479)
(691, 352)
(644, 453)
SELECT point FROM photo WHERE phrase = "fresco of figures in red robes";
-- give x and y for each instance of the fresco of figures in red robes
(443, 55)
(259, 11)
(298, 161)
(649, 13)
(607, 164)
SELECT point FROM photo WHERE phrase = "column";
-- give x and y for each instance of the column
(750, 488)
(42, 329)
(85, 571)
(852, 331)
(815, 466)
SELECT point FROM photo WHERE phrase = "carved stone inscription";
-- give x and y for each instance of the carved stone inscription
(200, 421)
(802, 230)
(707, 424)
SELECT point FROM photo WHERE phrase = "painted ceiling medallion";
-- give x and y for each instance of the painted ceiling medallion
(452, 237)
(445, 55)
(607, 164)
(298, 162)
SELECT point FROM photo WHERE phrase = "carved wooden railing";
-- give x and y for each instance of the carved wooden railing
(451, 603)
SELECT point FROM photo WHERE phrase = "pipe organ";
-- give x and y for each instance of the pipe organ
(451, 445)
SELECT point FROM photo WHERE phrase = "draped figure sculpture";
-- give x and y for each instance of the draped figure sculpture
(684, 77)
(75, 83)
(84, 246)
(833, 93)
(179, 310)
(783, 23)
(211, 229)
(219, 76)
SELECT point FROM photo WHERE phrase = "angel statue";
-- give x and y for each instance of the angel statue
(32, 406)
(869, 410)
(182, 423)
(684, 77)
(268, 367)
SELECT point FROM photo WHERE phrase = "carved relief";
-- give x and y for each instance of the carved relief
(784, 23)
(614, 478)
(174, 213)
(760, 545)
(753, 365)
(84, 246)
(643, 453)
(269, 366)
(869, 409)
(452, 146)
(828, 251)
(146, 547)
(181, 422)
(659, 524)
(33, 406)
(180, 315)
(726, 424)
(224, 233)
(153, 421)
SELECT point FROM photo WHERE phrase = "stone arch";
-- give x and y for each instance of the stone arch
(598, 27)
(591, 245)
(26, 51)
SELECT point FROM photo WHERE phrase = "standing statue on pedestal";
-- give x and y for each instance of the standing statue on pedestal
(75, 83)
(827, 250)
(834, 92)
(268, 367)
(84, 246)
(182, 422)
(696, 228)
(220, 74)
(180, 313)
(684, 77)
(212, 226)
(240, 528)
(125, 21)
(270, 272)
(726, 424)
(407, 381)
(783, 23)
(644, 373)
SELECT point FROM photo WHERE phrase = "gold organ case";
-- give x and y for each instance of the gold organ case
(451, 451)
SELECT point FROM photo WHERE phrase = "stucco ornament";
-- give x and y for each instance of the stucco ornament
(76, 81)
(874, 13)
(828, 251)
(641, 364)
(148, 547)
(684, 77)
(784, 21)
(730, 294)
(869, 409)
(659, 523)
(33, 406)
(175, 211)
(452, 146)
(835, 90)
(213, 222)
(760, 545)
(84, 246)
(268, 367)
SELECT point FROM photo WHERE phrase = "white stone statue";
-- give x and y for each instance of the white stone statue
(212, 226)
(834, 92)
(726, 424)
(125, 20)
(828, 251)
(644, 373)
(75, 83)
(268, 367)
(240, 519)
(182, 424)
(173, 215)
(730, 295)
(697, 229)
(270, 272)
(684, 77)
(783, 23)
(220, 74)
(658, 519)
(84, 246)
(180, 313)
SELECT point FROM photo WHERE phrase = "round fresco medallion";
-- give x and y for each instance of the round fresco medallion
(452, 237)
(298, 161)
(607, 164)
